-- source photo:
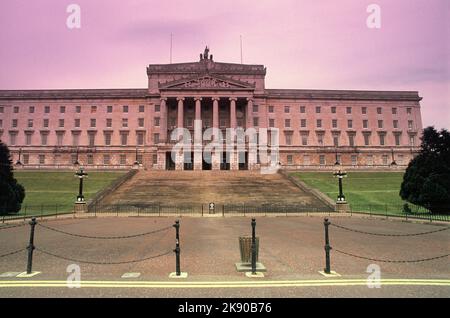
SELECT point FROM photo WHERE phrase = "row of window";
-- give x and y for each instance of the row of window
(106, 159)
(334, 123)
(63, 109)
(124, 140)
(385, 160)
(77, 122)
(351, 139)
(333, 110)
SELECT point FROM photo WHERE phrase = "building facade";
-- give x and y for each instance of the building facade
(115, 128)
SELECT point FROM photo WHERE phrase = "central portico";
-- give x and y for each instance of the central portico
(217, 95)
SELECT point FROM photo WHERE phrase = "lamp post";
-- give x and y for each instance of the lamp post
(337, 163)
(80, 174)
(340, 174)
(76, 163)
(18, 162)
(393, 163)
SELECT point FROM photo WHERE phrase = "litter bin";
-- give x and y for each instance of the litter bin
(245, 246)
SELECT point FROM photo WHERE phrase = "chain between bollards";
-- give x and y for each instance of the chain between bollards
(253, 247)
(31, 247)
(327, 269)
(177, 247)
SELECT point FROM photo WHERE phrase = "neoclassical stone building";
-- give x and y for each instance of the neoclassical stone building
(114, 128)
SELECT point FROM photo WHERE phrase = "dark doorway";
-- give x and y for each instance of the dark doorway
(206, 162)
(188, 161)
(170, 164)
(243, 160)
(225, 161)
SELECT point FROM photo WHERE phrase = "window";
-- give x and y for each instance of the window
(306, 160)
(255, 121)
(303, 123)
(47, 109)
(270, 109)
(394, 110)
(322, 160)
(106, 159)
(90, 159)
(75, 138)
(255, 108)
(2, 109)
(30, 123)
(109, 109)
(400, 159)
(62, 109)
(141, 108)
(93, 122)
(351, 140)
(125, 109)
(395, 123)
(287, 109)
(302, 109)
(123, 159)
(108, 122)
(61, 123)
(125, 122)
(349, 110)
(31, 110)
(319, 123)
(333, 110)
(124, 139)
(369, 160)
(380, 124)
(350, 123)
(397, 139)
(379, 110)
(44, 139)
(385, 159)
(77, 122)
(156, 138)
(73, 158)
(45, 123)
(382, 139)
(410, 124)
(271, 122)
(26, 158)
(354, 160)
(318, 109)
(288, 139)
(305, 139)
(78, 109)
(155, 159)
(93, 109)
(108, 138)
(365, 123)
(412, 140)
(290, 161)
(59, 138)
(14, 123)
(287, 123)
(334, 123)
(1, 123)
(28, 138)
(42, 159)
(16, 109)
(12, 138)
(409, 110)
(157, 122)
(336, 140)
(366, 139)
(140, 138)
(91, 136)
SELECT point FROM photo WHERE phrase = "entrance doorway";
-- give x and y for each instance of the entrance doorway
(188, 161)
(206, 162)
(243, 160)
(170, 164)
(225, 161)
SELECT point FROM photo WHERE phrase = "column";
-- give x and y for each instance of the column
(216, 154)
(179, 157)
(249, 112)
(233, 112)
(198, 130)
(163, 120)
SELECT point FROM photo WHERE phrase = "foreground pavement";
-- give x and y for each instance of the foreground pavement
(292, 249)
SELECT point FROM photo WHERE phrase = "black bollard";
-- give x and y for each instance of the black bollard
(177, 247)
(327, 269)
(31, 246)
(253, 247)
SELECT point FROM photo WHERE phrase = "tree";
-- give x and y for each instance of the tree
(11, 192)
(427, 179)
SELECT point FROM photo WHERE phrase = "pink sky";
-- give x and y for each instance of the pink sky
(304, 44)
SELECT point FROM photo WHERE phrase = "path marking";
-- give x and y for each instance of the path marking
(225, 284)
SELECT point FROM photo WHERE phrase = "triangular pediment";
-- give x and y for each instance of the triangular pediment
(206, 82)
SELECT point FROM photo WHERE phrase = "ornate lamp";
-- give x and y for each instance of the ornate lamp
(340, 174)
(80, 174)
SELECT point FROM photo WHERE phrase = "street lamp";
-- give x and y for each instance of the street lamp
(337, 163)
(18, 162)
(393, 163)
(80, 174)
(76, 163)
(340, 174)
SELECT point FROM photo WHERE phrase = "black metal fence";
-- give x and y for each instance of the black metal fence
(39, 211)
(406, 212)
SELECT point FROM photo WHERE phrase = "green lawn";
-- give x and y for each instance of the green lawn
(363, 190)
(58, 190)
